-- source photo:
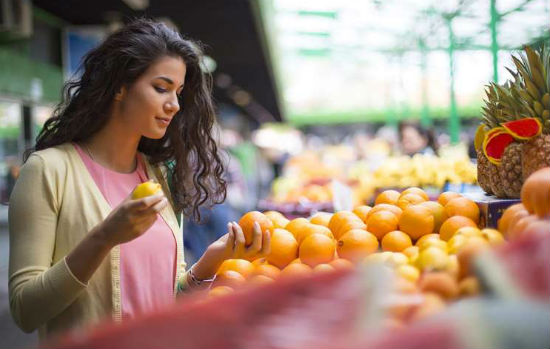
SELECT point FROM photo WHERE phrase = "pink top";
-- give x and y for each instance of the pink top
(147, 268)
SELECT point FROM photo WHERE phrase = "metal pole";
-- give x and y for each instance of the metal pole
(494, 42)
(425, 112)
(454, 122)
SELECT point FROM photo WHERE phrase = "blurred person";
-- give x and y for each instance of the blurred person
(416, 139)
(81, 249)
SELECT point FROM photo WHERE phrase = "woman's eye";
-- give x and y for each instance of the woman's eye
(160, 89)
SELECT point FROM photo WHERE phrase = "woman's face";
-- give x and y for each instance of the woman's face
(411, 140)
(150, 103)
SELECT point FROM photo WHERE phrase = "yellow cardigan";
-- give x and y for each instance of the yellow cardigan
(54, 204)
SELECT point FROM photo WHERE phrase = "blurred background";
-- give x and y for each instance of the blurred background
(321, 104)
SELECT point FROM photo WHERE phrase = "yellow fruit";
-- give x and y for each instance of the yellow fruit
(494, 237)
(453, 266)
(420, 242)
(434, 243)
(432, 258)
(146, 189)
(408, 272)
(411, 252)
(455, 243)
(396, 259)
(321, 218)
(468, 232)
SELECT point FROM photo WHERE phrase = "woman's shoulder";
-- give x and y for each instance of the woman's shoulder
(53, 157)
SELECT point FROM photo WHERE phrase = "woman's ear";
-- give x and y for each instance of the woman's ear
(119, 96)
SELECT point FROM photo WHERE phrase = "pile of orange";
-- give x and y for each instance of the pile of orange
(406, 231)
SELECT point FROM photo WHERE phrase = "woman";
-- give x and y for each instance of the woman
(416, 139)
(80, 248)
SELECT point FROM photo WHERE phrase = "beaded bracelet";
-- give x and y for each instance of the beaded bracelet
(200, 282)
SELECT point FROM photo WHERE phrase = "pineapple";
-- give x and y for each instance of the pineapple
(527, 96)
(535, 91)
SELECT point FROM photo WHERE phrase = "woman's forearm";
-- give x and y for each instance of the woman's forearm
(87, 256)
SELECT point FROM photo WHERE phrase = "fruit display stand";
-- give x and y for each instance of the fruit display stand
(407, 272)
(348, 309)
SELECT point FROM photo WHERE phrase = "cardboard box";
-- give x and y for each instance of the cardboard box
(491, 208)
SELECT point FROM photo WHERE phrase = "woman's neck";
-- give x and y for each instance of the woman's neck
(114, 148)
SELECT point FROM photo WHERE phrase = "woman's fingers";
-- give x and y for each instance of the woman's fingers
(266, 243)
(146, 202)
(256, 245)
(239, 239)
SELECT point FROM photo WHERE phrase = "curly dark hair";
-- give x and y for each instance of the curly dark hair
(188, 144)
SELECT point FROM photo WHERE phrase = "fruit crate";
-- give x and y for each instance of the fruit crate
(491, 208)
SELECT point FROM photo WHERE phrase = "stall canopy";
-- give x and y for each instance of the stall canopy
(348, 61)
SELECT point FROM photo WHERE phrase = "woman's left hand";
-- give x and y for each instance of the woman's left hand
(232, 245)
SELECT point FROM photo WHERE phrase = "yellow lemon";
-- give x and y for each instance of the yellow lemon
(433, 258)
(146, 189)
(493, 236)
(408, 272)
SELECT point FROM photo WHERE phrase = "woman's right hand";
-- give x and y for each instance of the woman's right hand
(131, 219)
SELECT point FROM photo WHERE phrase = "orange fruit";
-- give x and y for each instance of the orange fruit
(396, 241)
(416, 221)
(447, 196)
(406, 200)
(229, 278)
(321, 218)
(284, 248)
(323, 268)
(386, 207)
(452, 224)
(268, 270)
(296, 224)
(504, 221)
(241, 266)
(387, 197)
(343, 221)
(310, 229)
(462, 207)
(247, 224)
(277, 218)
(260, 280)
(362, 211)
(316, 249)
(356, 244)
(296, 270)
(342, 263)
(535, 193)
(382, 222)
(259, 261)
(297, 260)
(439, 282)
(438, 211)
(467, 254)
(520, 226)
(416, 191)
(220, 291)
